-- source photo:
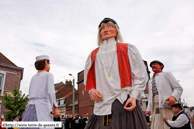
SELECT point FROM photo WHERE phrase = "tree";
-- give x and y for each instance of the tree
(16, 104)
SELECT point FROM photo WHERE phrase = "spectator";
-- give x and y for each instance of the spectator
(20, 119)
(84, 121)
(58, 119)
(191, 116)
(180, 120)
(14, 119)
(67, 122)
(76, 123)
(63, 120)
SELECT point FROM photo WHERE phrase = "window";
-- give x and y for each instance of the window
(1, 80)
(64, 100)
(58, 102)
(61, 101)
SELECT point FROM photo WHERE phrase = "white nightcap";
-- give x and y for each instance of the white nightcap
(42, 57)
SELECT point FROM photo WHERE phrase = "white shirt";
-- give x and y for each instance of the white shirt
(110, 87)
(191, 115)
(179, 122)
(42, 94)
(167, 86)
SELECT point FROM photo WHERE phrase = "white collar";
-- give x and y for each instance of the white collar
(179, 112)
(109, 40)
(108, 44)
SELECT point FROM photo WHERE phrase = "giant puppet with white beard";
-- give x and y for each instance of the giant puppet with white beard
(115, 76)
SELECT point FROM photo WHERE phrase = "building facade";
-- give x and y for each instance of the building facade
(10, 76)
(64, 96)
(86, 105)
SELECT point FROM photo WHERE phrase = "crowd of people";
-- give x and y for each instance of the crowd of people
(73, 121)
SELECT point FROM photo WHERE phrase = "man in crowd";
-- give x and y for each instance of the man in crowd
(164, 90)
(15, 118)
(67, 122)
(84, 121)
(87, 117)
(63, 120)
(180, 120)
(76, 123)
(191, 116)
(57, 119)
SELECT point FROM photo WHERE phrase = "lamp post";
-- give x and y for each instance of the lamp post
(73, 93)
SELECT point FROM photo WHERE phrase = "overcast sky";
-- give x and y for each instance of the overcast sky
(67, 32)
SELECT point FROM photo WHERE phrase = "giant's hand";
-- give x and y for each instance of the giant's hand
(96, 96)
(148, 112)
(56, 113)
(171, 100)
(132, 102)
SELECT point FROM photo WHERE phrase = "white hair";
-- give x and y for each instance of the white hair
(117, 38)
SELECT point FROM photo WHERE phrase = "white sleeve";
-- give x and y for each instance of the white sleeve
(193, 115)
(51, 90)
(179, 122)
(87, 67)
(177, 89)
(138, 71)
(149, 97)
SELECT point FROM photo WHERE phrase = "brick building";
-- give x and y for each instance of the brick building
(64, 96)
(58, 85)
(69, 103)
(10, 76)
(86, 105)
